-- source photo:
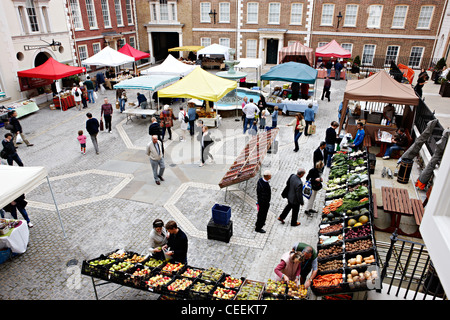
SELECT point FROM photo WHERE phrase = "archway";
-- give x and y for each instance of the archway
(40, 58)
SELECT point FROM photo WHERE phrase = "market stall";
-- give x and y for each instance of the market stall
(22, 108)
(297, 52)
(291, 72)
(250, 63)
(379, 89)
(108, 57)
(170, 66)
(348, 260)
(202, 85)
(22, 180)
(330, 51)
(214, 56)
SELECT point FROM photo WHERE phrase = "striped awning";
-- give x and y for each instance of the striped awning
(297, 49)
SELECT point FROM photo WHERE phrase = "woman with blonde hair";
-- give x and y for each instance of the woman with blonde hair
(289, 267)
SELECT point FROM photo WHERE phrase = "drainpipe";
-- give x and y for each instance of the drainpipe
(238, 28)
(444, 10)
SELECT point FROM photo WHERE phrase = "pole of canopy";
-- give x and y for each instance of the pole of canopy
(56, 206)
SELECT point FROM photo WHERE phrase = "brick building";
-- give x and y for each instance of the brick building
(98, 23)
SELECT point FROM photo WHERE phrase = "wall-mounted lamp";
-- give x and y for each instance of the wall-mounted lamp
(212, 14)
(339, 16)
(54, 45)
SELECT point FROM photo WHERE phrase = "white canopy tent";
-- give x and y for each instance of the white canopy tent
(170, 66)
(22, 180)
(251, 63)
(108, 57)
(215, 49)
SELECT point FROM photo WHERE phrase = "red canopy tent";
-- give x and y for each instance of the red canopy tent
(51, 70)
(333, 49)
(132, 52)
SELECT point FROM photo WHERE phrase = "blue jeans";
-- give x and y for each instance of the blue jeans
(91, 96)
(247, 122)
(297, 135)
(392, 148)
(22, 211)
(330, 150)
(328, 72)
(122, 104)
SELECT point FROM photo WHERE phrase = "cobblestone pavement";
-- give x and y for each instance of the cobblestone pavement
(109, 201)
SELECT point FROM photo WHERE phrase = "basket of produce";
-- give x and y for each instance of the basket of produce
(328, 283)
(333, 206)
(173, 268)
(296, 291)
(275, 287)
(359, 245)
(155, 282)
(135, 258)
(326, 240)
(154, 263)
(191, 272)
(366, 279)
(117, 254)
(117, 272)
(330, 264)
(212, 275)
(357, 193)
(250, 290)
(329, 251)
(356, 232)
(138, 276)
(332, 217)
(221, 293)
(98, 267)
(200, 290)
(332, 228)
(270, 296)
(357, 260)
(336, 193)
(179, 286)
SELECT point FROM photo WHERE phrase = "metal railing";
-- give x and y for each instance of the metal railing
(408, 269)
(422, 117)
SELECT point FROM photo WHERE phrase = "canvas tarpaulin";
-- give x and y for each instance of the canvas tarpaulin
(297, 49)
(291, 72)
(51, 70)
(171, 66)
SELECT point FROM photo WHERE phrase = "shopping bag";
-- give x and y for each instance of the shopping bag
(312, 128)
(307, 190)
(117, 105)
(19, 139)
(95, 95)
(102, 89)
(101, 125)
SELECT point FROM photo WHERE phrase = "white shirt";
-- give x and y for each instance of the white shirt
(79, 94)
(250, 109)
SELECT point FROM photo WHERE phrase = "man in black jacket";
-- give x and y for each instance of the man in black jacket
(10, 150)
(92, 127)
(17, 129)
(177, 244)
(263, 193)
(294, 197)
(319, 153)
(330, 140)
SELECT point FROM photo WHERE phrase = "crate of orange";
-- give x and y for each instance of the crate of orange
(326, 283)
(333, 206)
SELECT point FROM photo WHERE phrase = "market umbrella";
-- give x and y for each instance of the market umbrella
(333, 49)
(132, 52)
(52, 70)
(297, 49)
(187, 48)
(171, 66)
(291, 72)
(108, 57)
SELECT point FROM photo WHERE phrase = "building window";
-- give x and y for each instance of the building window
(120, 43)
(274, 13)
(105, 13)
(224, 12)
(132, 42)
(46, 19)
(129, 12)
(205, 8)
(374, 19)
(174, 11)
(415, 57)
(347, 46)
(153, 12)
(351, 12)
(368, 54)
(96, 47)
(251, 48)
(391, 55)
(426, 13)
(118, 7)
(327, 15)
(76, 14)
(224, 42)
(32, 18)
(399, 17)
(252, 12)
(92, 19)
(321, 44)
(23, 23)
(296, 13)
(163, 12)
(205, 42)
(82, 51)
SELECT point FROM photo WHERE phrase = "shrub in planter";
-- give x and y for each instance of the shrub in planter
(356, 63)
(444, 91)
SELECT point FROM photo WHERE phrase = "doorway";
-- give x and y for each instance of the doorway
(272, 51)
(162, 42)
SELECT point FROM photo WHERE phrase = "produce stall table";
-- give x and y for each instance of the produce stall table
(22, 108)
(396, 202)
(295, 106)
(138, 112)
(17, 237)
(322, 73)
(66, 102)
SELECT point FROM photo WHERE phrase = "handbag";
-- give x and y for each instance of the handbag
(101, 125)
(312, 128)
(9, 127)
(117, 105)
(307, 189)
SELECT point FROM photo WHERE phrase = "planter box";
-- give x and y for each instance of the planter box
(444, 91)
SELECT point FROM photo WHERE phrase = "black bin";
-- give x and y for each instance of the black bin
(220, 232)
(372, 162)
(404, 171)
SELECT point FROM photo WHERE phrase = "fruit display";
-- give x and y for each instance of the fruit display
(224, 293)
(275, 287)
(191, 273)
(231, 282)
(212, 274)
(141, 272)
(359, 261)
(101, 262)
(331, 228)
(172, 267)
(121, 266)
(118, 255)
(135, 259)
(153, 263)
(202, 287)
(355, 232)
(179, 285)
(250, 290)
(158, 280)
(296, 290)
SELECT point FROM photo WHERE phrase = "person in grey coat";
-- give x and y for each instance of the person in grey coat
(156, 153)
(294, 197)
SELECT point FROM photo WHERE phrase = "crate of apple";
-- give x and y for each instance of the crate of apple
(224, 293)
(157, 281)
(172, 268)
(231, 282)
(179, 286)
(191, 273)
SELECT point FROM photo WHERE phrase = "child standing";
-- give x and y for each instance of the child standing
(275, 117)
(82, 140)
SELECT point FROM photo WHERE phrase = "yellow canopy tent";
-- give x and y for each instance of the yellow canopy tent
(187, 48)
(199, 84)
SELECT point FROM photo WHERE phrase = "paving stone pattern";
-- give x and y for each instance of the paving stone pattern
(109, 201)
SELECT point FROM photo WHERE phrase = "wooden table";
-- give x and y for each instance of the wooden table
(397, 203)
(383, 146)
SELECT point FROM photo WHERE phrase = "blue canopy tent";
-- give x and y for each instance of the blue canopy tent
(150, 83)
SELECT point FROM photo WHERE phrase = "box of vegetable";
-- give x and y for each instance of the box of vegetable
(359, 245)
(200, 290)
(331, 228)
(358, 260)
(330, 264)
(250, 290)
(329, 282)
(366, 278)
(332, 250)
